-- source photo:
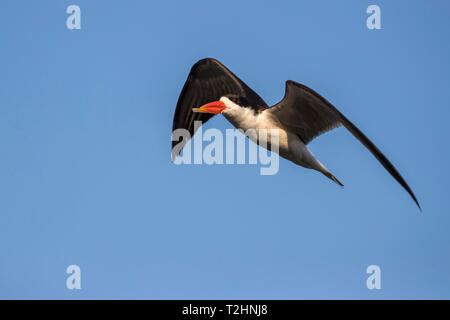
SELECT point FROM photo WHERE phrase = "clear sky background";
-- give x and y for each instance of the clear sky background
(86, 176)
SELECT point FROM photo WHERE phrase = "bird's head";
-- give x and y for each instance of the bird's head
(226, 102)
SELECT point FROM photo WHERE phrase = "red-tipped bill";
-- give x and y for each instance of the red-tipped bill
(212, 107)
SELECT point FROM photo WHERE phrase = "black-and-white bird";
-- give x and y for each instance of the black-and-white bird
(300, 116)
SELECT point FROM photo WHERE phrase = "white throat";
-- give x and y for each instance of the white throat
(241, 117)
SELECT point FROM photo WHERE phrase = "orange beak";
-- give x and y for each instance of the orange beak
(212, 107)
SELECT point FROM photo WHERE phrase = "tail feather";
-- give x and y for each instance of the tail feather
(309, 161)
(330, 175)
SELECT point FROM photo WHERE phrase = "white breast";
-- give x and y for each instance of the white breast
(247, 119)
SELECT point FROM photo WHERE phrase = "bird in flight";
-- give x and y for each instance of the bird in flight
(300, 116)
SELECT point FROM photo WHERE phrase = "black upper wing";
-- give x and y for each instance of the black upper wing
(308, 114)
(208, 81)
(305, 112)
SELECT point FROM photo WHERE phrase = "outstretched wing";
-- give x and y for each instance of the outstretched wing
(308, 114)
(208, 81)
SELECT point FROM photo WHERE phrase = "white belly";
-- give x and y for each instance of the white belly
(288, 145)
(258, 126)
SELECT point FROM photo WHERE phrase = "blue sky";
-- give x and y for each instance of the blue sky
(86, 176)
